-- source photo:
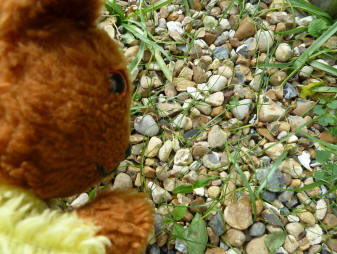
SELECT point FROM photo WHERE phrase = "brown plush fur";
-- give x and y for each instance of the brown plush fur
(59, 120)
(127, 225)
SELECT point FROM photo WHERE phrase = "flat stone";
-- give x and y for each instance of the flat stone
(217, 224)
(257, 246)
(211, 161)
(295, 229)
(241, 111)
(246, 29)
(265, 133)
(314, 234)
(153, 147)
(275, 151)
(159, 195)
(238, 215)
(217, 137)
(221, 52)
(257, 229)
(235, 237)
(183, 157)
(270, 112)
(146, 125)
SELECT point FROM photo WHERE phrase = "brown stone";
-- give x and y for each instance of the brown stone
(181, 84)
(332, 243)
(197, 205)
(162, 239)
(217, 111)
(215, 251)
(330, 220)
(266, 134)
(235, 42)
(210, 38)
(213, 237)
(235, 237)
(197, 5)
(246, 29)
(327, 137)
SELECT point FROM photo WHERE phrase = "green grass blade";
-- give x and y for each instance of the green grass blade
(310, 8)
(325, 89)
(272, 170)
(324, 67)
(160, 61)
(151, 7)
(133, 66)
(293, 31)
(298, 64)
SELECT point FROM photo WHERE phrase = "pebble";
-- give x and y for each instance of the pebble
(165, 151)
(306, 217)
(276, 180)
(238, 215)
(217, 224)
(175, 27)
(321, 209)
(270, 112)
(257, 229)
(246, 29)
(314, 234)
(304, 159)
(235, 237)
(291, 167)
(306, 71)
(153, 147)
(215, 99)
(211, 161)
(217, 137)
(275, 151)
(289, 92)
(122, 181)
(81, 200)
(213, 191)
(295, 229)
(290, 244)
(212, 237)
(257, 246)
(221, 52)
(146, 125)
(159, 195)
(217, 83)
(241, 111)
(283, 52)
(183, 157)
(265, 39)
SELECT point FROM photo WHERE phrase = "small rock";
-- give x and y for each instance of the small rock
(221, 52)
(275, 151)
(212, 236)
(180, 246)
(297, 121)
(159, 195)
(215, 251)
(306, 72)
(277, 78)
(238, 215)
(266, 134)
(314, 234)
(290, 244)
(265, 39)
(235, 237)
(198, 205)
(183, 157)
(241, 111)
(211, 161)
(246, 29)
(271, 217)
(215, 99)
(165, 151)
(295, 229)
(276, 180)
(217, 137)
(330, 220)
(304, 159)
(122, 181)
(217, 224)
(291, 167)
(257, 246)
(175, 27)
(153, 147)
(213, 191)
(257, 229)
(217, 83)
(307, 217)
(289, 91)
(327, 137)
(321, 209)
(146, 125)
(81, 200)
(283, 52)
(270, 112)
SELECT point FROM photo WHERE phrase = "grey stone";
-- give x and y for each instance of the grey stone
(154, 249)
(243, 50)
(257, 229)
(289, 92)
(211, 161)
(221, 52)
(122, 181)
(241, 111)
(276, 181)
(272, 218)
(217, 224)
(268, 196)
(221, 39)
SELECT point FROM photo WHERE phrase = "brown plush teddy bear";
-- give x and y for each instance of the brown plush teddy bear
(64, 124)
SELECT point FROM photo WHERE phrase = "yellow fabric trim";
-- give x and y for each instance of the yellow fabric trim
(28, 226)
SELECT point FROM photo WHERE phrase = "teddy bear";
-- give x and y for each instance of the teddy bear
(64, 125)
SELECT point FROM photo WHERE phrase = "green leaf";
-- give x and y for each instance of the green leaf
(183, 189)
(179, 231)
(197, 237)
(150, 8)
(325, 89)
(133, 66)
(179, 212)
(160, 61)
(328, 174)
(333, 131)
(319, 110)
(202, 182)
(326, 120)
(324, 67)
(332, 105)
(114, 9)
(275, 240)
(317, 27)
(322, 156)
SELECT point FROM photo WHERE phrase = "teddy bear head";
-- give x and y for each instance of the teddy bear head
(64, 97)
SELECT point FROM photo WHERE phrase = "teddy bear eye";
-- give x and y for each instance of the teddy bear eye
(117, 83)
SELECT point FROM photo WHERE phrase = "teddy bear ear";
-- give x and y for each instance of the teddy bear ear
(18, 15)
